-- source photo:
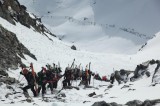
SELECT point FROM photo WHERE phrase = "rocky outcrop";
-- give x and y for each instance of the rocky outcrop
(8, 80)
(103, 103)
(73, 47)
(130, 103)
(11, 50)
(134, 103)
(12, 11)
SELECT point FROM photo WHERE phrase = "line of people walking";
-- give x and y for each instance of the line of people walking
(49, 76)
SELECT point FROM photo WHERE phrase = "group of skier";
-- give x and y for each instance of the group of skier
(50, 75)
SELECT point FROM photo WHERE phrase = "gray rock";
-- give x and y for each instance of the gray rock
(3, 73)
(102, 103)
(7, 95)
(92, 94)
(134, 103)
(147, 103)
(73, 47)
(8, 80)
(115, 104)
(154, 102)
(18, 13)
(9, 48)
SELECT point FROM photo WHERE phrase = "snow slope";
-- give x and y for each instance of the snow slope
(73, 20)
(55, 51)
(150, 51)
(48, 51)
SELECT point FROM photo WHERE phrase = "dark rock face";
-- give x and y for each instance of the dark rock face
(8, 80)
(134, 103)
(130, 103)
(92, 94)
(73, 47)
(10, 50)
(12, 11)
(103, 103)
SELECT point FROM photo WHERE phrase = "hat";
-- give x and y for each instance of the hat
(24, 71)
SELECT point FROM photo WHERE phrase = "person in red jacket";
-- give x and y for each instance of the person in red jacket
(30, 79)
(104, 78)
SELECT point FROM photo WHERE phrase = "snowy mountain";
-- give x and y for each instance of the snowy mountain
(111, 26)
(72, 18)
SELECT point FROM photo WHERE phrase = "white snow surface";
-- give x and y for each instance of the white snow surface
(48, 51)
(100, 21)
(104, 62)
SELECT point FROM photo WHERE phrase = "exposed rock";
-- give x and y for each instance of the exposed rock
(3, 73)
(92, 94)
(134, 103)
(110, 86)
(29, 100)
(10, 87)
(86, 101)
(154, 102)
(12, 11)
(102, 103)
(130, 103)
(98, 96)
(8, 80)
(125, 86)
(7, 95)
(115, 104)
(147, 103)
(152, 62)
(1, 83)
(73, 47)
(10, 51)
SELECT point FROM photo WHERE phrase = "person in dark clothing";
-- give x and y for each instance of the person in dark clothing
(30, 79)
(112, 78)
(41, 81)
(84, 80)
(49, 79)
(67, 77)
(89, 79)
(97, 77)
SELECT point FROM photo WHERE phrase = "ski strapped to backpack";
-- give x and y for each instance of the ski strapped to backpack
(89, 65)
(72, 63)
(34, 76)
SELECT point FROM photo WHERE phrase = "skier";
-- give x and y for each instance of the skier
(90, 73)
(30, 79)
(104, 78)
(87, 77)
(67, 77)
(49, 79)
(41, 81)
(112, 78)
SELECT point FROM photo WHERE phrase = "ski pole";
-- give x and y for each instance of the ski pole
(17, 83)
(19, 76)
(21, 80)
